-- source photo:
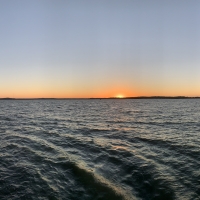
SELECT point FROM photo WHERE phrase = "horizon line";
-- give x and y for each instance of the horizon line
(136, 97)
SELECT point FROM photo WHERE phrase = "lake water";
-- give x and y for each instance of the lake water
(100, 149)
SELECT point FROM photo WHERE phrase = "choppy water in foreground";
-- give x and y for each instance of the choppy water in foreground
(100, 149)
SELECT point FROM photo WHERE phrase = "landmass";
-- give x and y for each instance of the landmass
(158, 97)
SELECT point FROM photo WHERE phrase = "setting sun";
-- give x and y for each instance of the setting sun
(120, 96)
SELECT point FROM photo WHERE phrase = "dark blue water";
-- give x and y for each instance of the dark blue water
(100, 149)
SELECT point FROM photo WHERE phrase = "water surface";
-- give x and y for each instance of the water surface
(100, 149)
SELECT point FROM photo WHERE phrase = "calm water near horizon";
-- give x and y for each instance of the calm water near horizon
(108, 149)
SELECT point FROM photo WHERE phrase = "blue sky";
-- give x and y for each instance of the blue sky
(99, 48)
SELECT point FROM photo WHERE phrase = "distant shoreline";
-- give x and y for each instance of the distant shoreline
(139, 97)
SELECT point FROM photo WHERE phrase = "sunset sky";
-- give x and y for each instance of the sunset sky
(99, 48)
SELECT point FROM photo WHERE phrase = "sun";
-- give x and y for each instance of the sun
(120, 96)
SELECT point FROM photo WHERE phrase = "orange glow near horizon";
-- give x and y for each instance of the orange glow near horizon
(102, 91)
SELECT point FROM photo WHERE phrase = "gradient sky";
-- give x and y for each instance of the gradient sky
(99, 48)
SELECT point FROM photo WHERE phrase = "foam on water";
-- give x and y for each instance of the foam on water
(100, 149)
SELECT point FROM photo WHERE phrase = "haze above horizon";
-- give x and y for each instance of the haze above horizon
(98, 49)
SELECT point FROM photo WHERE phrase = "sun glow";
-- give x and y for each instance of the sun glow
(120, 96)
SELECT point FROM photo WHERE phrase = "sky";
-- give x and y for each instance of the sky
(99, 48)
